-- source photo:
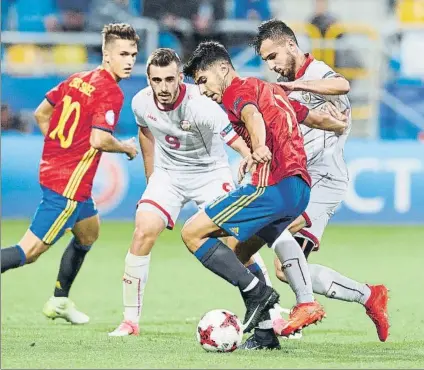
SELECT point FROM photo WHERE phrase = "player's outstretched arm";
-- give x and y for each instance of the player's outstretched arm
(147, 145)
(327, 86)
(42, 115)
(106, 142)
(325, 121)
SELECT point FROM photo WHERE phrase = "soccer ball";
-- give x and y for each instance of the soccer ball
(219, 331)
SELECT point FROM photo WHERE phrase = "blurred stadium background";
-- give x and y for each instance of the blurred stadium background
(376, 44)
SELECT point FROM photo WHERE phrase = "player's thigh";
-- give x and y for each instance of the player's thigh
(87, 227)
(162, 197)
(54, 215)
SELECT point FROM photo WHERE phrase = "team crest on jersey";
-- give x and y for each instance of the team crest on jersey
(306, 97)
(185, 125)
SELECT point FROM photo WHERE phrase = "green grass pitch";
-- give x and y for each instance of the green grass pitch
(180, 290)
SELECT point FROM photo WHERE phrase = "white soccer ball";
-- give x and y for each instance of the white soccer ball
(219, 331)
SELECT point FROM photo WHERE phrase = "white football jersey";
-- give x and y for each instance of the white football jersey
(324, 149)
(188, 138)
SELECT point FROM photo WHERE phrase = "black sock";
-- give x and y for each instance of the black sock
(221, 260)
(71, 262)
(12, 258)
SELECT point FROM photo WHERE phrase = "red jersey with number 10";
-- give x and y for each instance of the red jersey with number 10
(281, 117)
(84, 101)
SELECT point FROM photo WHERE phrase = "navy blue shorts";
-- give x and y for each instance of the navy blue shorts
(264, 211)
(56, 214)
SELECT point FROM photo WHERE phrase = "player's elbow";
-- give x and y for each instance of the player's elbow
(97, 139)
(344, 86)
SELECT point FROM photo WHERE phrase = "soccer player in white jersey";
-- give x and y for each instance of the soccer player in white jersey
(313, 83)
(181, 135)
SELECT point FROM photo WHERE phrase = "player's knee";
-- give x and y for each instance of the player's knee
(189, 236)
(143, 235)
(33, 252)
(297, 225)
(278, 271)
(88, 239)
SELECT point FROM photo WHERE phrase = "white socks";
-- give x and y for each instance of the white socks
(134, 282)
(258, 259)
(330, 283)
(294, 266)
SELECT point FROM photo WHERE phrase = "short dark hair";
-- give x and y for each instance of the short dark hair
(206, 54)
(274, 30)
(163, 57)
(116, 31)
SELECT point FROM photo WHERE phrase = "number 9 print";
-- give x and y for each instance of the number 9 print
(173, 142)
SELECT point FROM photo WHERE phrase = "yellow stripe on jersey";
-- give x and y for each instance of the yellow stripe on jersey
(71, 205)
(79, 172)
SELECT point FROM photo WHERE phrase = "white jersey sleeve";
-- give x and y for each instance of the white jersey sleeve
(138, 109)
(208, 114)
(324, 149)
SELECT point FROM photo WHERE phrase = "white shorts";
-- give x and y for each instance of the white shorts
(167, 192)
(326, 196)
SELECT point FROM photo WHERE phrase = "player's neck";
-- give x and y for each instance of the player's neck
(300, 61)
(106, 67)
(229, 79)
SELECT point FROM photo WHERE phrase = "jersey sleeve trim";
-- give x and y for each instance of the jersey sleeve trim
(103, 129)
(234, 138)
(247, 103)
(50, 101)
(303, 115)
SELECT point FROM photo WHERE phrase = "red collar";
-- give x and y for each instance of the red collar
(183, 89)
(304, 67)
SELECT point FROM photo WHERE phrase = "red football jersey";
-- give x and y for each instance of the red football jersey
(281, 116)
(84, 101)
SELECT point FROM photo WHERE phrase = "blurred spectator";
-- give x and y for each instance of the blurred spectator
(323, 19)
(70, 15)
(251, 9)
(191, 21)
(12, 122)
(102, 12)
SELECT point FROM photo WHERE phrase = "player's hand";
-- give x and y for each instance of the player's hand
(333, 111)
(245, 163)
(288, 86)
(131, 148)
(261, 154)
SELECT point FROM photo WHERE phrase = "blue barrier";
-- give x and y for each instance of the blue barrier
(387, 182)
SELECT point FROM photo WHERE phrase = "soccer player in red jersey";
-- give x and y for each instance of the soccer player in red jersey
(262, 114)
(77, 118)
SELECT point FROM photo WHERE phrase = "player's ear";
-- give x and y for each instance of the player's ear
(106, 56)
(224, 68)
(181, 77)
